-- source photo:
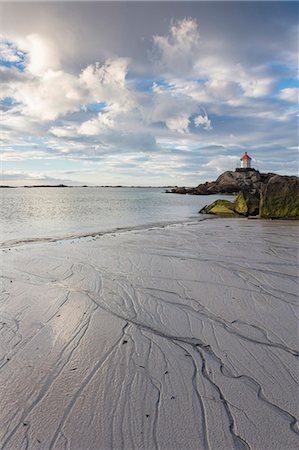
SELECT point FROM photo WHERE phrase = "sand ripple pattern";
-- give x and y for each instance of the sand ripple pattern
(183, 337)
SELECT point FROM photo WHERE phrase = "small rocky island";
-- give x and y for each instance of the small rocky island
(266, 195)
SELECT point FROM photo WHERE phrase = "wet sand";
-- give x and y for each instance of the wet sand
(178, 337)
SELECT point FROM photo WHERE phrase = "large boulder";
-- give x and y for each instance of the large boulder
(247, 203)
(280, 197)
(221, 208)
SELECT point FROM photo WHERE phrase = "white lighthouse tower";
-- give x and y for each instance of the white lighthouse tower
(245, 161)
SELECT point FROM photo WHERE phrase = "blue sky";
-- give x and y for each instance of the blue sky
(147, 93)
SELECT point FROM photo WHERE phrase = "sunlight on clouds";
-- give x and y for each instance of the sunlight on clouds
(42, 54)
(97, 125)
(56, 93)
(168, 112)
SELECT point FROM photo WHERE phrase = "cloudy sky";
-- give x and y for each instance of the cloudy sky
(146, 93)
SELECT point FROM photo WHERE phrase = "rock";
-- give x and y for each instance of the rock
(280, 197)
(221, 210)
(177, 190)
(247, 203)
(220, 207)
(229, 182)
(181, 190)
(263, 194)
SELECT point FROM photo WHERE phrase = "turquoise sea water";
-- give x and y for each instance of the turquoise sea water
(30, 213)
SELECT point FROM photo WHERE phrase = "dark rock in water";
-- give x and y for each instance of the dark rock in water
(179, 190)
(280, 197)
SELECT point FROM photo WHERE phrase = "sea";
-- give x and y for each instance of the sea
(29, 214)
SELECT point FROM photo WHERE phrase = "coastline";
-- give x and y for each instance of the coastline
(170, 336)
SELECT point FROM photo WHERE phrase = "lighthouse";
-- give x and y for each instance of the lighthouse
(245, 161)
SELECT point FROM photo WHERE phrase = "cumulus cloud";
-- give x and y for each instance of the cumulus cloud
(197, 91)
(175, 108)
(176, 52)
(97, 125)
(42, 54)
(48, 94)
(179, 123)
(204, 121)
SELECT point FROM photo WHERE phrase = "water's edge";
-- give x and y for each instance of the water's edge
(42, 240)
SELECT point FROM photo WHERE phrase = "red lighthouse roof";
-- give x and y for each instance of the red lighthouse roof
(245, 156)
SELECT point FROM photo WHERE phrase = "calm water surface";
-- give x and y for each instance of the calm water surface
(59, 212)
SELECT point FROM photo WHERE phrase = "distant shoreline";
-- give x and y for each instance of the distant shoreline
(81, 186)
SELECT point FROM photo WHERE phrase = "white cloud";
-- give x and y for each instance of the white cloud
(176, 53)
(42, 54)
(290, 94)
(256, 87)
(203, 120)
(54, 94)
(174, 107)
(106, 82)
(57, 100)
(47, 94)
(97, 125)
(64, 131)
(222, 89)
(179, 124)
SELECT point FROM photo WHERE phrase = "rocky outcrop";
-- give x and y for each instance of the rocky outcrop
(229, 182)
(265, 194)
(280, 197)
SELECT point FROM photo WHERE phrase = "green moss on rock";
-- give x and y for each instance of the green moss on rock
(280, 197)
(221, 207)
(241, 205)
(225, 203)
(247, 203)
(221, 210)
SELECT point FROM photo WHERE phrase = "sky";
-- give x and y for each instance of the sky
(146, 93)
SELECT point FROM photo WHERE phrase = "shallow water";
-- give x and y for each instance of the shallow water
(58, 212)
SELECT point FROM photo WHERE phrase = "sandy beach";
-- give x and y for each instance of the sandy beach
(175, 337)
